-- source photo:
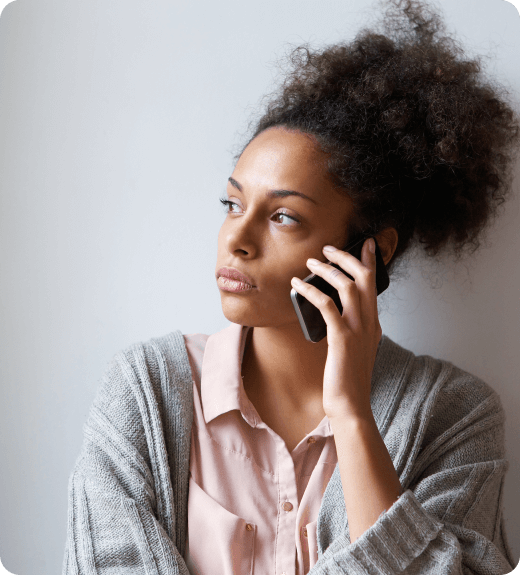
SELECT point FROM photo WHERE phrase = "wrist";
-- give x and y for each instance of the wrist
(351, 413)
(358, 419)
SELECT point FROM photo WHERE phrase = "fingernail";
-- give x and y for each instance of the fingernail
(372, 245)
(329, 249)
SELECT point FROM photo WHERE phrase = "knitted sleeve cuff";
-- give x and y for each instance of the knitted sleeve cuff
(398, 536)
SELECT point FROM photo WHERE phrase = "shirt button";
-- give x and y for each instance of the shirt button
(249, 527)
(311, 440)
(305, 531)
(287, 506)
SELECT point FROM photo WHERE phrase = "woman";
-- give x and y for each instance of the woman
(347, 455)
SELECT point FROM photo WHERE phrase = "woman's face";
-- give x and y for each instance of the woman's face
(258, 236)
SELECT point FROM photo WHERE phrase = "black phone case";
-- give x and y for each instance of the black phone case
(311, 320)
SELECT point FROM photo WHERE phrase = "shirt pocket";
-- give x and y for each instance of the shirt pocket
(218, 541)
(312, 540)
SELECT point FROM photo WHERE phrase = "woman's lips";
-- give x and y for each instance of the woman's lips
(228, 284)
(234, 274)
(230, 279)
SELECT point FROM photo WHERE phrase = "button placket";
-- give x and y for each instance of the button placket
(287, 510)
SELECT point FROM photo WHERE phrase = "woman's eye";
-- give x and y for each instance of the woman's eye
(228, 203)
(285, 216)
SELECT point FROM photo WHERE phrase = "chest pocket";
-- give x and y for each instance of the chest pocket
(218, 541)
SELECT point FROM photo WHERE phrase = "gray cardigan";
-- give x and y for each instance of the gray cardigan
(443, 428)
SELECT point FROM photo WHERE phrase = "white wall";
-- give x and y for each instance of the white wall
(118, 122)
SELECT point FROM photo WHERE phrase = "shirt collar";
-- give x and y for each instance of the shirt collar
(221, 386)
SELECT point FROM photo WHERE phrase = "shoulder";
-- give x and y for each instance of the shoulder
(137, 378)
(144, 361)
(434, 378)
(435, 397)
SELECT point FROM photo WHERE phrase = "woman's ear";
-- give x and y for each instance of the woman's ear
(387, 242)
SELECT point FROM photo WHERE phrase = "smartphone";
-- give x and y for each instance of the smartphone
(311, 320)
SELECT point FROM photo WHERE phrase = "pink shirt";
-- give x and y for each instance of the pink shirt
(253, 505)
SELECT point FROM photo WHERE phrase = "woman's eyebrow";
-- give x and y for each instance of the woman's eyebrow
(275, 193)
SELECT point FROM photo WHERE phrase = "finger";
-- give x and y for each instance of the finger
(364, 275)
(323, 302)
(347, 290)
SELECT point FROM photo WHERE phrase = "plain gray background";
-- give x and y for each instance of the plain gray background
(118, 122)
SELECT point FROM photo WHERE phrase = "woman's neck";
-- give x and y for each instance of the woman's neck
(280, 364)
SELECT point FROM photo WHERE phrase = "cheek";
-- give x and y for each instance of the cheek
(284, 269)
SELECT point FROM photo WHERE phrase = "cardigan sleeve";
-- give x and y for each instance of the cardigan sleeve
(120, 514)
(449, 519)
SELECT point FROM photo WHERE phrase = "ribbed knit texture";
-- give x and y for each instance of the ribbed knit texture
(443, 428)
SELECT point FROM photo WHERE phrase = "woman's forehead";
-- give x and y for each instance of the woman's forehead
(283, 152)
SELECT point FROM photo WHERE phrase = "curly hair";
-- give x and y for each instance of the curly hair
(414, 134)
